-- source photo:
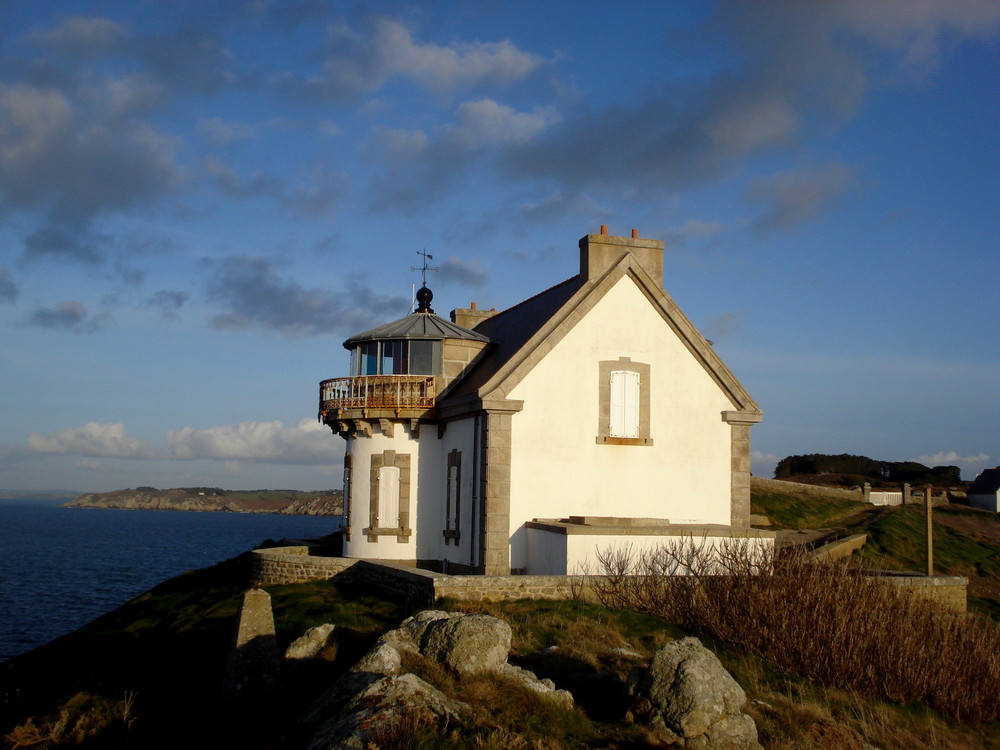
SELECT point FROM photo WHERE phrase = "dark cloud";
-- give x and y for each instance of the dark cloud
(316, 194)
(791, 197)
(468, 272)
(255, 296)
(168, 302)
(66, 316)
(8, 289)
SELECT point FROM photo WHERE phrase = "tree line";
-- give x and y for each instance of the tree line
(886, 471)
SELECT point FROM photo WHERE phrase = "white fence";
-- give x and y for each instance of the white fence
(885, 498)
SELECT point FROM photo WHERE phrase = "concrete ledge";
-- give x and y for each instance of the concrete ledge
(840, 548)
(596, 526)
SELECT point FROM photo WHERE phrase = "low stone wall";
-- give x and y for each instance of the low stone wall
(840, 548)
(295, 565)
(949, 592)
(804, 490)
(424, 587)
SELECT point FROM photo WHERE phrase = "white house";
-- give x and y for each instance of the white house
(985, 491)
(589, 415)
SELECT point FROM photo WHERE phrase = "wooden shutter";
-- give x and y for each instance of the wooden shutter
(388, 497)
(624, 404)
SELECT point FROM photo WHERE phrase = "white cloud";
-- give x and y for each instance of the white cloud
(486, 122)
(362, 62)
(307, 442)
(92, 439)
(951, 458)
(762, 464)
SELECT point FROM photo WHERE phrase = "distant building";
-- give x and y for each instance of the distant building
(985, 491)
(590, 415)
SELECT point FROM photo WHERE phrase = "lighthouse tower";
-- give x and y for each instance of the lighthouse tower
(396, 453)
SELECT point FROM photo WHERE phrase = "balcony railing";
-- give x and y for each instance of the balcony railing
(377, 392)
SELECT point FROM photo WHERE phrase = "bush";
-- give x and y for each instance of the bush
(824, 621)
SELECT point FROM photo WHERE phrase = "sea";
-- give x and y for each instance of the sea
(60, 567)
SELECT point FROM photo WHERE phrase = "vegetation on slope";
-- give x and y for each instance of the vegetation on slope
(322, 502)
(150, 675)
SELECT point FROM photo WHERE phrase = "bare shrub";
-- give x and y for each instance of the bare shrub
(826, 621)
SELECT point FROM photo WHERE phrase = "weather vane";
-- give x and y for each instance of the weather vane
(425, 268)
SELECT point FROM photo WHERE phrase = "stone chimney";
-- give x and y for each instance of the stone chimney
(599, 252)
(470, 317)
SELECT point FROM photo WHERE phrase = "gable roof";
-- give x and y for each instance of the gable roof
(986, 483)
(527, 331)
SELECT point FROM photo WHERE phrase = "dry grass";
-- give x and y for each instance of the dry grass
(821, 621)
(80, 720)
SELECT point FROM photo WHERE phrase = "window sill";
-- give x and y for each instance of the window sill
(402, 535)
(608, 440)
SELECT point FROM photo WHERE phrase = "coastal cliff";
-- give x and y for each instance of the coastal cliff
(293, 502)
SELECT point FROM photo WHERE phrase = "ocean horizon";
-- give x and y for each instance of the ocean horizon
(61, 568)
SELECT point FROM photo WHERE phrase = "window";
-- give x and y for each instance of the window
(453, 497)
(623, 409)
(624, 418)
(400, 357)
(388, 497)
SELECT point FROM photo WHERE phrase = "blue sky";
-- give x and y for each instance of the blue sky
(200, 201)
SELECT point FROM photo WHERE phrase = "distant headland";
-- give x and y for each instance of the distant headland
(291, 502)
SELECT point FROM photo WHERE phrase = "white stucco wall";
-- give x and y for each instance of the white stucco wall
(424, 483)
(551, 553)
(557, 467)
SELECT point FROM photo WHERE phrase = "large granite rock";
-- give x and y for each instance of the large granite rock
(686, 690)
(384, 709)
(374, 693)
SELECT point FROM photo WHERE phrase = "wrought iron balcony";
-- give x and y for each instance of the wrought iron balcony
(370, 393)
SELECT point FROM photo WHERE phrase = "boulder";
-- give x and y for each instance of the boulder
(467, 643)
(309, 645)
(691, 693)
(387, 706)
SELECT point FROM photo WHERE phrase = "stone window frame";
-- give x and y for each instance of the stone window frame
(452, 532)
(605, 368)
(402, 532)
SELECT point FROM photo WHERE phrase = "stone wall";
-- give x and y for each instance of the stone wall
(424, 587)
(949, 592)
(797, 489)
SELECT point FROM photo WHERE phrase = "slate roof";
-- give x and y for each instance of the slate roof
(418, 325)
(508, 331)
(986, 483)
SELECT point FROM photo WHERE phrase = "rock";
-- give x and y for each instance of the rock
(392, 704)
(687, 687)
(530, 680)
(308, 645)
(382, 661)
(467, 643)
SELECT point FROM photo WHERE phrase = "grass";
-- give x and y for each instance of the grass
(821, 621)
(788, 512)
(898, 542)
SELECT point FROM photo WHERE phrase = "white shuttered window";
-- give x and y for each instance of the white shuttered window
(388, 497)
(624, 404)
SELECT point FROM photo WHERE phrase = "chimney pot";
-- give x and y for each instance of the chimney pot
(604, 228)
(635, 234)
(473, 305)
